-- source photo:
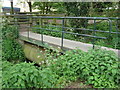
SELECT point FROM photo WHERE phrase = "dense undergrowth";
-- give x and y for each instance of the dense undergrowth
(11, 49)
(112, 41)
(100, 68)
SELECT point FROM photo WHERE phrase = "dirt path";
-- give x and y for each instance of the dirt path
(78, 84)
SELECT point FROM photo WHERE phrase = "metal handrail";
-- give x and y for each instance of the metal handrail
(109, 19)
(83, 29)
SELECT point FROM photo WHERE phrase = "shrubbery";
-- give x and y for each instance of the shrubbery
(11, 49)
(113, 41)
(99, 68)
(9, 31)
(24, 75)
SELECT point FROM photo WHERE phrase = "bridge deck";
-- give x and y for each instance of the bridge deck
(68, 44)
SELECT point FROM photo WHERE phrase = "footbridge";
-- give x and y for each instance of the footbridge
(65, 44)
(59, 29)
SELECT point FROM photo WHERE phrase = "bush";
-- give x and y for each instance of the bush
(19, 75)
(9, 31)
(11, 49)
(113, 41)
(25, 75)
(97, 67)
(100, 68)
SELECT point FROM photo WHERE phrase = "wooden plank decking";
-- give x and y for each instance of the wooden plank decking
(68, 44)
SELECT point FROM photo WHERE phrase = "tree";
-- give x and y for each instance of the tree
(48, 7)
(40, 6)
(77, 9)
(100, 6)
(20, 2)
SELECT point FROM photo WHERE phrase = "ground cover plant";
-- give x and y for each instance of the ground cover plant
(24, 75)
(100, 68)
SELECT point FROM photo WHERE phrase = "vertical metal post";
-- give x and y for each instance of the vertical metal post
(41, 30)
(86, 23)
(110, 29)
(14, 20)
(18, 25)
(62, 33)
(94, 33)
(29, 27)
(117, 35)
(86, 32)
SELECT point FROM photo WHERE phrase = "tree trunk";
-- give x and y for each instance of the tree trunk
(47, 8)
(30, 6)
(91, 10)
(118, 14)
(43, 10)
(12, 11)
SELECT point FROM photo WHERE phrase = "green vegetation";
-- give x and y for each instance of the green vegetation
(24, 75)
(93, 9)
(11, 49)
(84, 9)
(49, 7)
(100, 68)
(113, 39)
(112, 42)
